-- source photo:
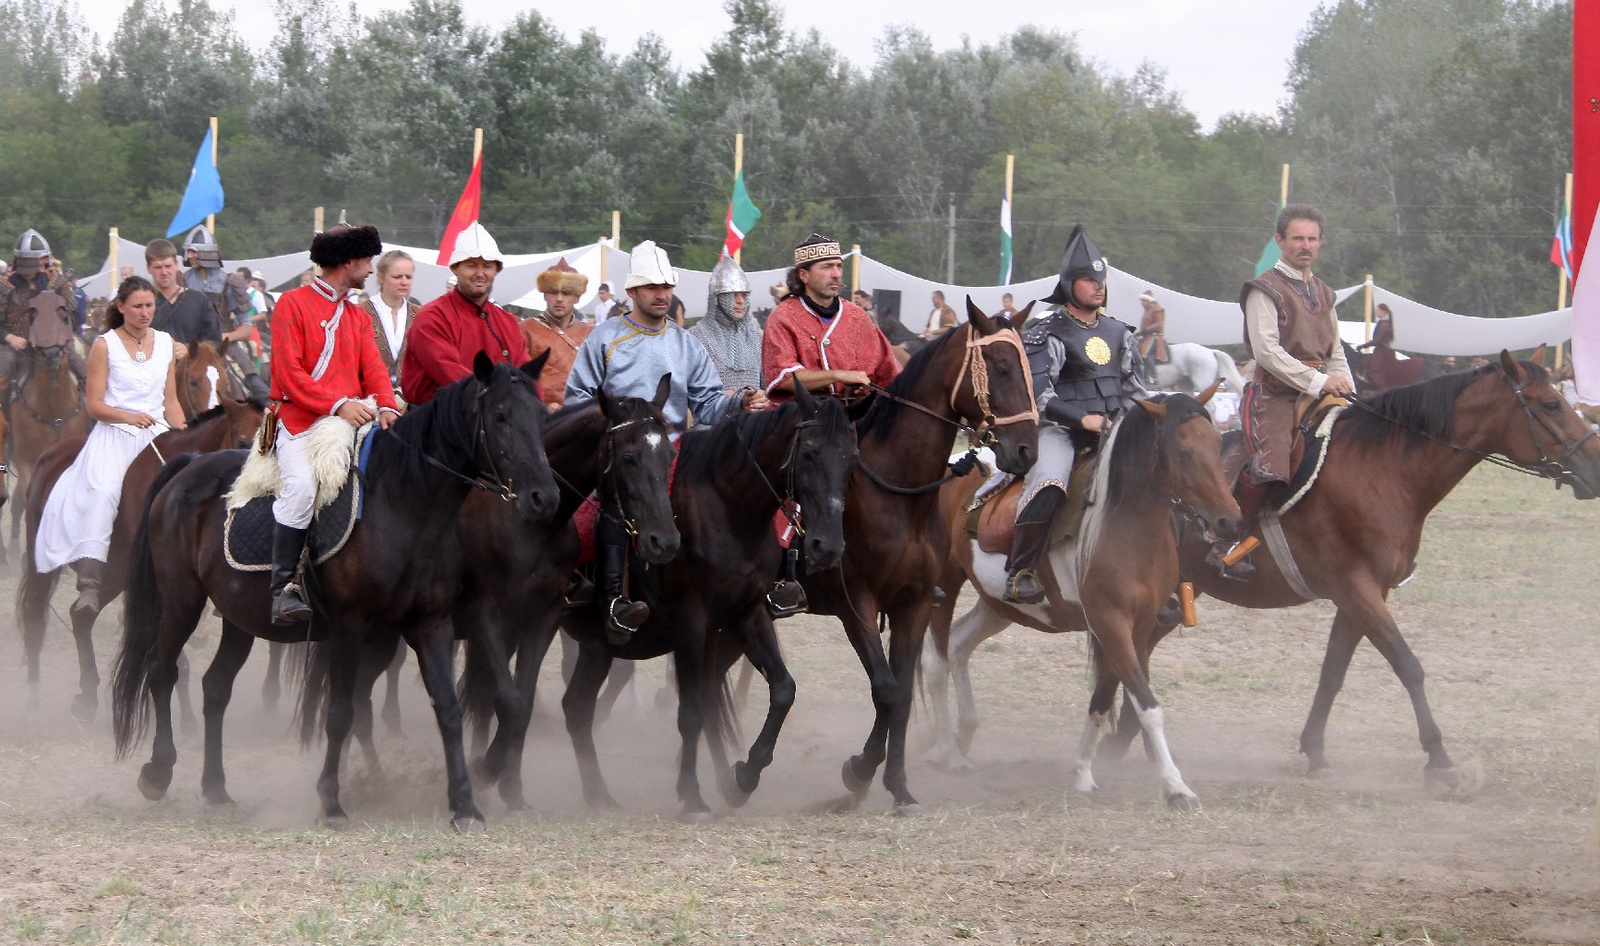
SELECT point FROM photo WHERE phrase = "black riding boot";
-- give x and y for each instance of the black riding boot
(1029, 547)
(623, 617)
(90, 571)
(288, 599)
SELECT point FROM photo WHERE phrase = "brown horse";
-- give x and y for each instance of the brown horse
(48, 406)
(203, 379)
(1355, 535)
(230, 425)
(972, 377)
(1161, 459)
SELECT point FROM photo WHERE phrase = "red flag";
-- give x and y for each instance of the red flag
(466, 213)
(1585, 123)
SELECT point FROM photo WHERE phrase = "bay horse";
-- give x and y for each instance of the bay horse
(203, 379)
(1163, 459)
(48, 406)
(708, 605)
(397, 571)
(230, 425)
(974, 377)
(1392, 458)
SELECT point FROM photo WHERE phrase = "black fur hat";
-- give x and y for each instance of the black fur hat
(342, 243)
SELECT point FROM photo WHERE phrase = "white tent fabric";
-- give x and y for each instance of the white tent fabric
(1419, 329)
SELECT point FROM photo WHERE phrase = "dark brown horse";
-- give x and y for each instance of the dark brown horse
(398, 572)
(708, 605)
(971, 377)
(1164, 459)
(1355, 535)
(228, 426)
(48, 406)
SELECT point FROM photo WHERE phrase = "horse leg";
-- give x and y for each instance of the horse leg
(216, 689)
(692, 683)
(186, 718)
(272, 686)
(1115, 634)
(1101, 699)
(87, 702)
(907, 626)
(1115, 746)
(974, 627)
(391, 695)
(859, 769)
(763, 653)
(34, 611)
(344, 656)
(939, 743)
(435, 646)
(530, 657)
(179, 615)
(578, 703)
(376, 657)
(621, 679)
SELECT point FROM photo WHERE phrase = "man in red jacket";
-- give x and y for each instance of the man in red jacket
(450, 331)
(324, 361)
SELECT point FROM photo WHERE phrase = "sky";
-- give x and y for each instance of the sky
(1222, 57)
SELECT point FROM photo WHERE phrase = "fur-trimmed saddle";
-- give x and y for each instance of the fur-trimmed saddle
(992, 513)
(337, 451)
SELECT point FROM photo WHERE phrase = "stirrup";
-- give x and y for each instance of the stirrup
(580, 591)
(1240, 570)
(1024, 587)
(624, 618)
(786, 599)
(289, 607)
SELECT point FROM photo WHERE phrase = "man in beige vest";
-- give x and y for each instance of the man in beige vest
(1292, 332)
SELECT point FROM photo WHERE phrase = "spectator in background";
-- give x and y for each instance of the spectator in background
(863, 299)
(1008, 307)
(263, 301)
(124, 274)
(184, 314)
(600, 309)
(306, 278)
(675, 309)
(392, 310)
(942, 319)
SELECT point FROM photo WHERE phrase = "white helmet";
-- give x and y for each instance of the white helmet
(475, 243)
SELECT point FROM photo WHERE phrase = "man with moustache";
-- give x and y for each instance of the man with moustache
(449, 332)
(557, 329)
(817, 338)
(1292, 332)
(185, 315)
(627, 357)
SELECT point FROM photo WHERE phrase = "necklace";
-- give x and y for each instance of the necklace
(139, 353)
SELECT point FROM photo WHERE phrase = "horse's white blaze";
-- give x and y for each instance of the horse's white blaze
(653, 439)
(215, 379)
(1083, 776)
(1153, 722)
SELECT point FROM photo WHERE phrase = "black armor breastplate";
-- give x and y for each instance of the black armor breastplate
(1091, 377)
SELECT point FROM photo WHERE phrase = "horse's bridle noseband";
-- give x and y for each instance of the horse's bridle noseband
(1555, 469)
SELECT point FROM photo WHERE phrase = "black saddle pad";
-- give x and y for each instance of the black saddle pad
(247, 534)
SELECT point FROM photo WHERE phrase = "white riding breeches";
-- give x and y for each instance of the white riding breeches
(297, 492)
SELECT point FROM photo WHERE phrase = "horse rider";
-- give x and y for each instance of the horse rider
(627, 356)
(450, 331)
(1292, 332)
(229, 294)
(818, 337)
(731, 336)
(30, 277)
(557, 329)
(1152, 336)
(325, 361)
(1083, 377)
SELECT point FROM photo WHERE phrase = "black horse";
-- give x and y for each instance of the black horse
(708, 605)
(395, 573)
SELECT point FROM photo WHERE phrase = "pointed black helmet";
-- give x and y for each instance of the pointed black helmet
(1082, 258)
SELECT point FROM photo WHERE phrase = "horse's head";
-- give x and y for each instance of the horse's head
(994, 390)
(1544, 433)
(820, 463)
(636, 457)
(1189, 464)
(50, 327)
(243, 420)
(203, 379)
(508, 438)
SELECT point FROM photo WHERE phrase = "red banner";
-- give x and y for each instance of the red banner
(1585, 123)
(466, 212)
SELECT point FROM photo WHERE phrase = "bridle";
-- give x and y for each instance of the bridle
(607, 463)
(482, 455)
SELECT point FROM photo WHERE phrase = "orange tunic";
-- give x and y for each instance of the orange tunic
(562, 344)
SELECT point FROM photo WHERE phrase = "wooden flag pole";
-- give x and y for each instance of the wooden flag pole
(1561, 293)
(1283, 189)
(211, 219)
(111, 261)
(616, 229)
(1367, 315)
(855, 268)
(603, 254)
(738, 168)
(477, 144)
(316, 228)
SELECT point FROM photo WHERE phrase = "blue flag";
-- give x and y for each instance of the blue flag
(203, 196)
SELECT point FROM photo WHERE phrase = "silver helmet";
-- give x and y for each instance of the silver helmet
(726, 276)
(201, 243)
(29, 255)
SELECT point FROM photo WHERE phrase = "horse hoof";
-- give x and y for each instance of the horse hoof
(732, 785)
(909, 810)
(1320, 773)
(469, 824)
(696, 817)
(216, 797)
(1185, 804)
(153, 780)
(1443, 781)
(603, 802)
(84, 708)
(338, 821)
(854, 783)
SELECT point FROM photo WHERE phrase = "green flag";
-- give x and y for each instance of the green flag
(742, 217)
(1269, 253)
(1005, 242)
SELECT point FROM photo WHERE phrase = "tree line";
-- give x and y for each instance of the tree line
(1433, 133)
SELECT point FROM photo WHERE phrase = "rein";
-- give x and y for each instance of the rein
(56, 422)
(494, 483)
(626, 521)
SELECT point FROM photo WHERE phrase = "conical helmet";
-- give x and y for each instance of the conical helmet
(728, 276)
(201, 243)
(1082, 258)
(29, 255)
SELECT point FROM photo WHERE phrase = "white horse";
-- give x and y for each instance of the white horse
(1193, 367)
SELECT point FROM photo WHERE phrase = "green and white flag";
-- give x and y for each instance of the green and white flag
(742, 217)
(1005, 241)
(1269, 253)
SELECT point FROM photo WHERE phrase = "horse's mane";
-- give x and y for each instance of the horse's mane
(207, 416)
(1416, 413)
(879, 414)
(436, 428)
(708, 452)
(1134, 464)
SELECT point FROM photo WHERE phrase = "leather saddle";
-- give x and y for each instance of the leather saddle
(993, 515)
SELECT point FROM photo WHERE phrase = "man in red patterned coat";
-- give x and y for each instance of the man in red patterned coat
(819, 337)
(450, 331)
(324, 362)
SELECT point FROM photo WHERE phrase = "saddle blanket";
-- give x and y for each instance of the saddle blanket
(1313, 431)
(992, 514)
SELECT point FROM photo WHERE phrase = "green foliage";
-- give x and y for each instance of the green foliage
(1432, 132)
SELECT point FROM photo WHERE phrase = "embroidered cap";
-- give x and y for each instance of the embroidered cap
(815, 249)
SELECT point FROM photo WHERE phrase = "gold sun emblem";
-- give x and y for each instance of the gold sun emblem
(1097, 350)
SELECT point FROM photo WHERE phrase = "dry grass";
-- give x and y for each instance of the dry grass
(1501, 615)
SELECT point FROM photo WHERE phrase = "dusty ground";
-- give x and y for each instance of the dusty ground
(1502, 615)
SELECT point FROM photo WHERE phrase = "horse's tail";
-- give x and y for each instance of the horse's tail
(721, 721)
(1229, 372)
(34, 591)
(475, 690)
(130, 685)
(311, 713)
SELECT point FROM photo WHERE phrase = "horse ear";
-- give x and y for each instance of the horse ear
(1022, 317)
(535, 366)
(1538, 356)
(483, 368)
(663, 391)
(1512, 368)
(194, 343)
(802, 397)
(608, 405)
(1155, 409)
(1205, 395)
(979, 320)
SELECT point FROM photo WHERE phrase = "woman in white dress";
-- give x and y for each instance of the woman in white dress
(133, 396)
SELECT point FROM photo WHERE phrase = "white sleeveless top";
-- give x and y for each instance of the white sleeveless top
(139, 386)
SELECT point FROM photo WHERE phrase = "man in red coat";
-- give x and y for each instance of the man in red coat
(450, 331)
(324, 361)
(818, 337)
